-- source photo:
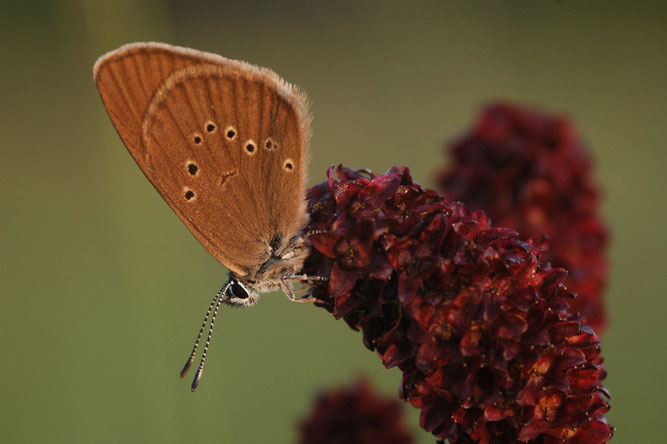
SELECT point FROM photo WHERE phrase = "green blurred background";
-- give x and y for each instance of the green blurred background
(102, 288)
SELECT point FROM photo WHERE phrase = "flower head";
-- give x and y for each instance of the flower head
(354, 415)
(530, 172)
(480, 327)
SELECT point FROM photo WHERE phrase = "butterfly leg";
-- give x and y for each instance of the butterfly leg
(289, 291)
(303, 277)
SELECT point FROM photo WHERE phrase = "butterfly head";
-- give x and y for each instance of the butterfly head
(240, 294)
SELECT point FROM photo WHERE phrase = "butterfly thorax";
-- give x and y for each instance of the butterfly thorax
(276, 273)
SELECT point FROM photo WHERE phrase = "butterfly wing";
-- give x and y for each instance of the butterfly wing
(223, 142)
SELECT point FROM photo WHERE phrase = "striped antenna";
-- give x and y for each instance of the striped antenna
(218, 296)
(195, 381)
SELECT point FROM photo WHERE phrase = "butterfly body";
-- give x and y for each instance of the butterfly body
(225, 143)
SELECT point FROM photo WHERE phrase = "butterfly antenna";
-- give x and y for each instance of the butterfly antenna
(191, 359)
(195, 381)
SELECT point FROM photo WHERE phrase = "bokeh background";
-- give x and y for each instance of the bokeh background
(102, 289)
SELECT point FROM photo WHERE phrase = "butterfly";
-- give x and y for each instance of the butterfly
(225, 143)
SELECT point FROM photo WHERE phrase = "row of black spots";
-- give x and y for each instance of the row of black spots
(192, 169)
(230, 133)
(251, 146)
(210, 127)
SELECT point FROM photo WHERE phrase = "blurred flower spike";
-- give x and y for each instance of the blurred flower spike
(530, 171)
(354, 415)
(480, 327)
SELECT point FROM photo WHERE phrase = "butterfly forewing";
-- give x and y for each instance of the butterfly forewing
(222, 141)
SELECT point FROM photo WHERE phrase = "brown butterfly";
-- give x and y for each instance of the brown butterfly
(225, 143)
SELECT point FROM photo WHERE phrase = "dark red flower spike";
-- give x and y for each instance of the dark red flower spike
(479, 325)
(354, 415)
(530, 171)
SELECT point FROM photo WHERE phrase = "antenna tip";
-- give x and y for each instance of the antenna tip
(186, 367)
(195, 381)
(194, 385)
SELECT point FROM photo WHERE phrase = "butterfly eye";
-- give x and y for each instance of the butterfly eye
(288, 165)
(230, 132)
(210, 126)
(238, 291)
